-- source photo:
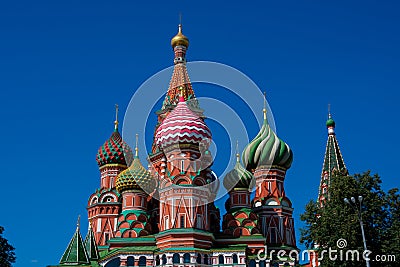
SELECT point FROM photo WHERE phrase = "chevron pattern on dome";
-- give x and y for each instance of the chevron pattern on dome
(182, 126)
(114, 151)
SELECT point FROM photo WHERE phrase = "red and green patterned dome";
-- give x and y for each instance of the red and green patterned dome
(114, 151)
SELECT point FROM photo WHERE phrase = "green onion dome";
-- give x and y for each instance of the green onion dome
(266, 149)
(135, 177)
(114, 151)
(238, 177)
(330, 122)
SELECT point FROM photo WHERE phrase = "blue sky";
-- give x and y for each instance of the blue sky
(64, 64)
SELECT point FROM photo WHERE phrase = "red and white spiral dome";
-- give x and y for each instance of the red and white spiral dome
(182, 126)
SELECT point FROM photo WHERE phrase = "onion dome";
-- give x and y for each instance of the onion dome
(114, 150)
(266, 149)
(182, 126)
(238, 177)
(330, 122)
(179, 38)
(135, 177)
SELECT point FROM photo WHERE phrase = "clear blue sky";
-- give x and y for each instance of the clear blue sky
(64, 64)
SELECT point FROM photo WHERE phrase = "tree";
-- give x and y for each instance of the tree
(7, 255)
(336, 220)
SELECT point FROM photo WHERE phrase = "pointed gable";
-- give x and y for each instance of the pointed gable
(90, 245)
(76, 252)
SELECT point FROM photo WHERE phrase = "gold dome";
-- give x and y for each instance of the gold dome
(180, 39)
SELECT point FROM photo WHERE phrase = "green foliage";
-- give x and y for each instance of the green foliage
(333, 220)
(7, 255)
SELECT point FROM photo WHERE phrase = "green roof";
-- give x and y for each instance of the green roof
(91, 247)
(76, 253)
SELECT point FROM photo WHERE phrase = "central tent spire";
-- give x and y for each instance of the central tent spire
(180, 77)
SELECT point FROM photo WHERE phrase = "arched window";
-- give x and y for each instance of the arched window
(252, 263)
(164, 259)
(198, 260)
(221, 259)
(205, 261)
(130, 261)
(275, 264)
(176, 258)
(113, 263)
(157, 260)
(234, 258)
(142, 261)
(261, 264)
(186, 258)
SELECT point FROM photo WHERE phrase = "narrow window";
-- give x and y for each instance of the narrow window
(176, 258)
(182, 166)
(166, 226)
(142, 261)
(234, 259)
(106, 237)
(98, 225)
(221, 259)
(186, 258)
(199, 222)
(182, 222)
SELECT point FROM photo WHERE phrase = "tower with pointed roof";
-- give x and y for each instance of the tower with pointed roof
(333, 161)
(113, 157)
(268, 158)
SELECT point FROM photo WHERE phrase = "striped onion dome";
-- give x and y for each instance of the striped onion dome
(114, 151)
(182, 126)
(238, 177)
(266, 149)
(135, 177)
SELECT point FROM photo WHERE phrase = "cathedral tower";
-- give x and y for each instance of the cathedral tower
(182, 162)
(113, 157)
(268, 158)
(333, 161)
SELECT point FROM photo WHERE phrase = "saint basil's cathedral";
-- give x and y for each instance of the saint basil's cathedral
(165, 215)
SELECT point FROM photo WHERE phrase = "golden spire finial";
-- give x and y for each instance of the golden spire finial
(237, 151)
(136, 148)
(179, 38)
(265, 106)
(116, 118)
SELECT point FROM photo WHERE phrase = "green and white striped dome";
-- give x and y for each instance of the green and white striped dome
(266, 149)
(238, 177)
